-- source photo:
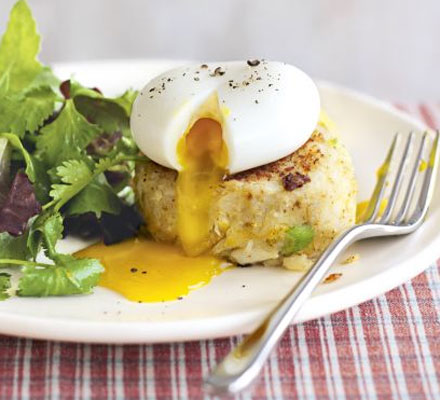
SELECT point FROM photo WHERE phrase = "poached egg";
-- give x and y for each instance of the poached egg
(266, 110)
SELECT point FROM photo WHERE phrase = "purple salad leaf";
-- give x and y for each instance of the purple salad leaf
(20, 205)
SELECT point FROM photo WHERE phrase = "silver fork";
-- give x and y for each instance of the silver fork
(400, 217)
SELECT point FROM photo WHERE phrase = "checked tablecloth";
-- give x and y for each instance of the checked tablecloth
(386, 348)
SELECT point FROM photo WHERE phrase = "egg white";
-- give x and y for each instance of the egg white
(268, 110)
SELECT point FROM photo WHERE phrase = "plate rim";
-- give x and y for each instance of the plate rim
(230, 324)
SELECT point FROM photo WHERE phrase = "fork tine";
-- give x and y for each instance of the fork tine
(398, 180)
(379, 190)
(412, 182)
(428, 183)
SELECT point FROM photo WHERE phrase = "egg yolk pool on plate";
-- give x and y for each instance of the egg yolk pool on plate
(147, 271)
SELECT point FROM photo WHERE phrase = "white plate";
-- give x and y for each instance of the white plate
(225, 307)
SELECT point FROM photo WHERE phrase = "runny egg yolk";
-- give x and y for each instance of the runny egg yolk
(147, 271)
(204, 158)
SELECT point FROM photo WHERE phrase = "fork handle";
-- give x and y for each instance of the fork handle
(244, 363)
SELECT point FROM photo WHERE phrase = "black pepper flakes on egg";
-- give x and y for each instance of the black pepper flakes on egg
(219, 71)
(253, 63)
(204, 66)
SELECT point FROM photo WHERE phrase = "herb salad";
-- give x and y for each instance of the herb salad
(66, 161)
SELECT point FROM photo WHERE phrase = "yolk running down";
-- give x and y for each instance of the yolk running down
(204, 158)
(147, 271)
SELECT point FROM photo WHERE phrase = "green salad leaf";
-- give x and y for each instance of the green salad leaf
(19, 48)
(14, 247)
(27, 110)
(96, 197)
(70, 276)
(44, 233)
(126, 100)
(298, 237)
(106, 113)
(5, 285)
(75, 175)
(26, 87)
(67, 137)
(15, 141)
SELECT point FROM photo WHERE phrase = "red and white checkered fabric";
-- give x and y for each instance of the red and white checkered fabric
(386, 348)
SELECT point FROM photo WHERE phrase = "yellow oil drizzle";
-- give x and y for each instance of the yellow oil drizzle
(363, 206)
(326, 122)
(147, 271)
(383, 170)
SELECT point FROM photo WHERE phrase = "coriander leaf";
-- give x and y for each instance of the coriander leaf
(21, 204)
(76, 276)
(12, 247)
(5, 285)
(75, 175)
(105, 163)
(19, 48)
(66, 137)
(297, 238)
(44, 232)
(96, 197)
(26, 110)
